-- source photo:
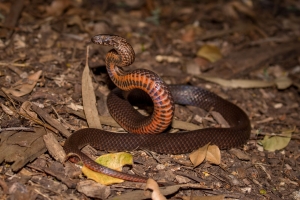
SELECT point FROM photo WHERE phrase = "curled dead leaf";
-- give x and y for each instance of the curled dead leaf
(156, 194)
(24, 86)
(198, 156)
(26, 110)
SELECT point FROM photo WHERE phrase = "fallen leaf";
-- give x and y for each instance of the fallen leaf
(278, 142)
(57, 7)
(75, 107)
(198, 156)
(281, 83)
(89, 98)
(113, 161)
(93, 190)
(26, 110)
(156, 194)
(232, 9)
(7, 110)
(141, 194)
(211, 53)
(213, 154)
(184, 125)
(189, 34)
(76, 20)
(24, 86)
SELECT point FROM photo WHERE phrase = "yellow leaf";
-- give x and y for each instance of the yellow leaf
(209, 52)
(272, 143)
(114, 161)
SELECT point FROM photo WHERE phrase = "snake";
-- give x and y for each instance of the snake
(148, 132)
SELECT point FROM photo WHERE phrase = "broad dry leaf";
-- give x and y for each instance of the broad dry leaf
(210, 52)
(198, 156)
(156, 194)
(235, 83)
(113, 161)
(88, 97)
(278, 142)
(24, 86)
(283, 82)
(213, 154)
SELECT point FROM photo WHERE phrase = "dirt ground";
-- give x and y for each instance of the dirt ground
(247, 52)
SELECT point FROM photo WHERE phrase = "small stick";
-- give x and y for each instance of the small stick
(16, 129)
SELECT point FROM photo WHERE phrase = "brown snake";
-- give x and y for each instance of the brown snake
(163, 97)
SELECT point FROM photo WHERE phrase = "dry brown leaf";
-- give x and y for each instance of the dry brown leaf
(24, 86)
(57, 7)
(76, 20)
(139, 194)
(92, 189)
(220, 119)
(189, 35)
(198, 156)
(6, 109)
(54, 147)
(213, 154)
(156, 194)
(281, 83)
(184, 125)
(232, 9)
(26, 110)
(88, 97)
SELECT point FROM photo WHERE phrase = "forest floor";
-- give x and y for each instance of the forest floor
(246, 52)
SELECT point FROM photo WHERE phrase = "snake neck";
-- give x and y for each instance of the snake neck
(123, 55)
(157, 90)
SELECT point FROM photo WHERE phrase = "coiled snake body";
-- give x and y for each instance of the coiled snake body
(163, 97)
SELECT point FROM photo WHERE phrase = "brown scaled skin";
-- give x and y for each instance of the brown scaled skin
(163, 98)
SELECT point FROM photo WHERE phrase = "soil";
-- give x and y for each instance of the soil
(247, 52)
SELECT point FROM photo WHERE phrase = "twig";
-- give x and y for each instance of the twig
(15, 64)
(16, 129)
